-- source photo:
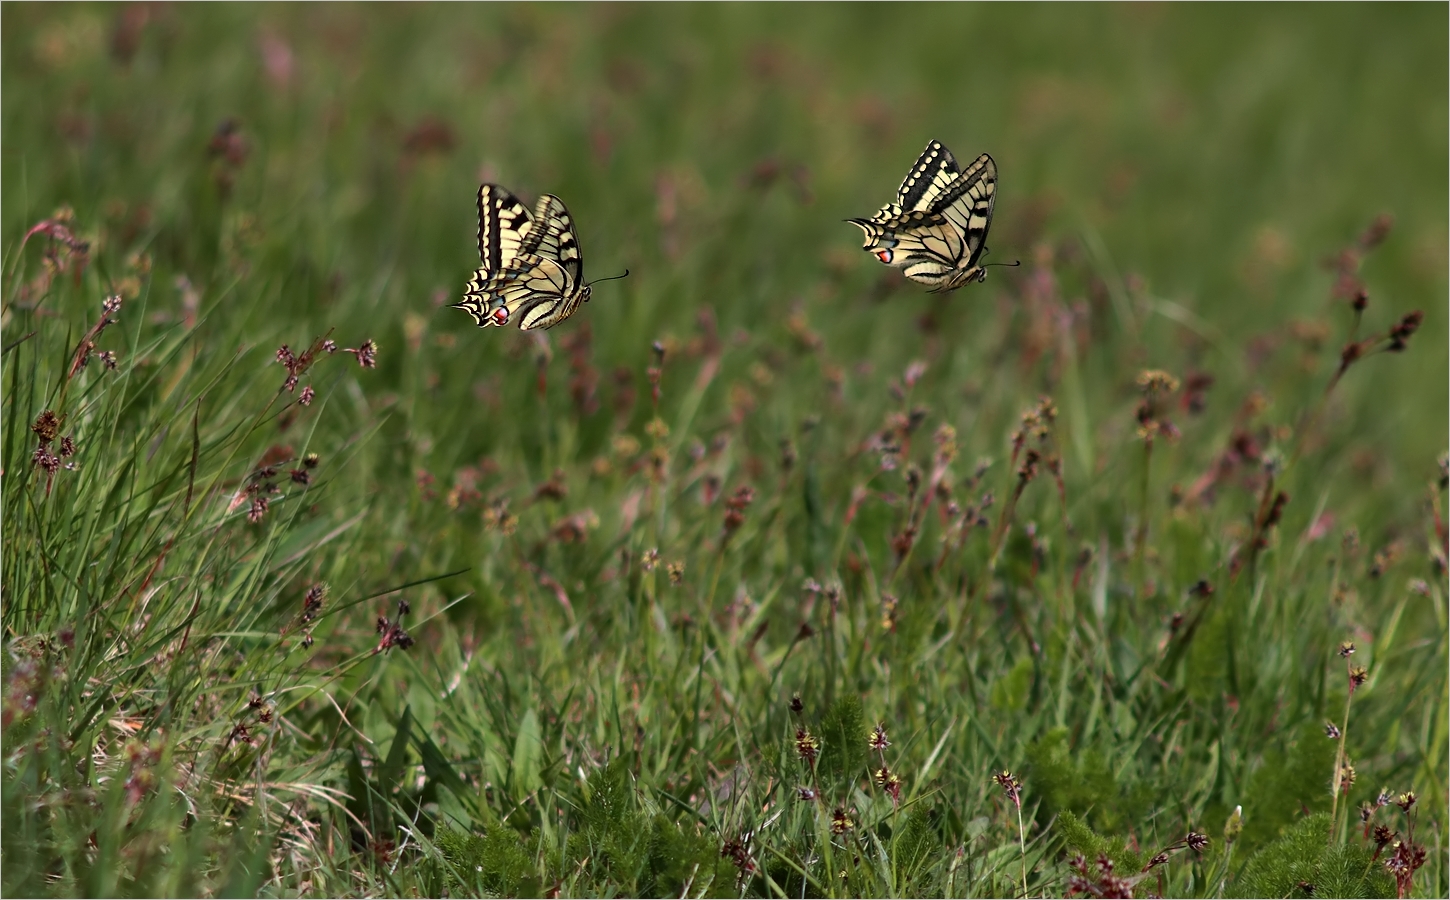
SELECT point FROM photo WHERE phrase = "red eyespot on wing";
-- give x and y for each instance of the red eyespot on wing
(884, 255)
(501, 316)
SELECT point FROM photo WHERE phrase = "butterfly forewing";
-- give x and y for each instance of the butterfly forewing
(554, 237)
(967, 204)
(934, 172)
(503, 226)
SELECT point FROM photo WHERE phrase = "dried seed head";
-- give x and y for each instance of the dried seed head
(796, 706)
(877, 740)
(650, 559)
(1011, 785)
(805, 793)
(1346, 649)
(1196, 842)
(889, 782)
(67, 447)
(1406, 800)
(46, 427)
(1377, 231)
(310, 460)
(258, 509)
(111, 305)
(366, 354)
(1331, 730)
(741, 499)
(1357, 676)
(807, 745)
(1155, 383)
(45, 460)
(676, 572)
(1400, 333)
(108, 359)
(305, 398)
(1346, 776)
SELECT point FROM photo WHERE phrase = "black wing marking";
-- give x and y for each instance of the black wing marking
(934, 172)
(503, 226)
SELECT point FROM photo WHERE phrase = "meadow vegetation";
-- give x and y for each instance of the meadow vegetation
(767, 573)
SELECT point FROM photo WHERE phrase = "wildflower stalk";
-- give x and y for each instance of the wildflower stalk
(1022, 846)
(1356, 676)
(1140, 541)
(1012, 786)
(1156, 386)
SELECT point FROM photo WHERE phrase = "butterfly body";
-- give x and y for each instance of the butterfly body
(531, 271)
(936, 231)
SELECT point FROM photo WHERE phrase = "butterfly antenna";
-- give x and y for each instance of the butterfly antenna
(611, 277)
(1015, 262)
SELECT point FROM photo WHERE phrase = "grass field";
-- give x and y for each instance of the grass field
(652, 578)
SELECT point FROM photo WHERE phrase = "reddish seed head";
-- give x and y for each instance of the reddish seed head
(1357, 676)
(1401, 332)
(807, 746)
(46, 426)
(1011, 785)
(878, 740)
(1377, 231)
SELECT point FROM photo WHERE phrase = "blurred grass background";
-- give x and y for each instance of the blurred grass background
(1173, 178)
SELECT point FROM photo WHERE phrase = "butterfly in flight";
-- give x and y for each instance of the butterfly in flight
(936, 231)
(531, 269)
